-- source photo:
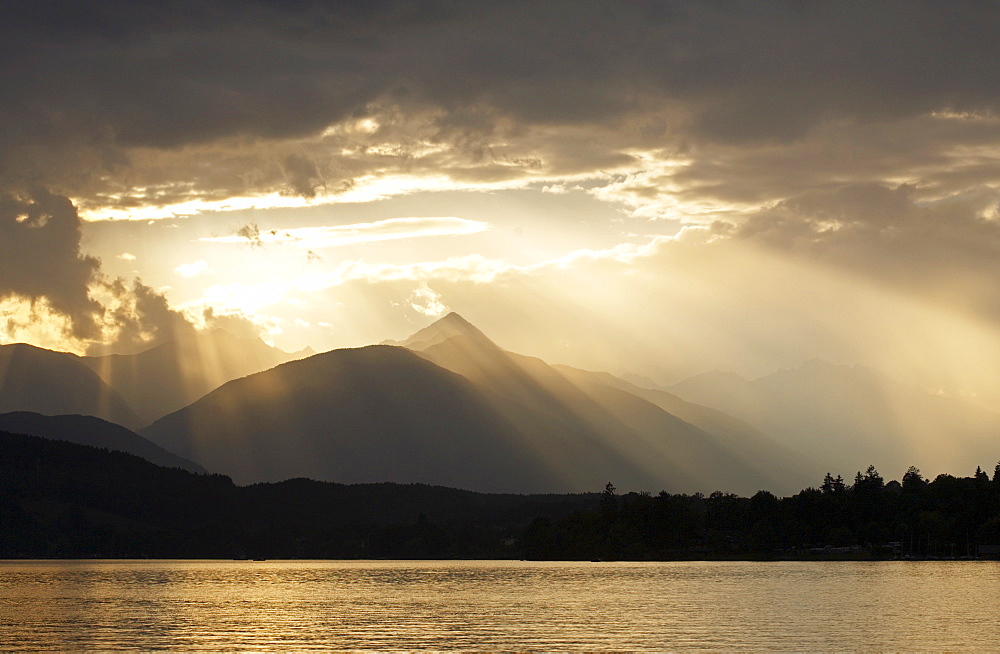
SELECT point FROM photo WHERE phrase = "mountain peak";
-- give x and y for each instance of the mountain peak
(454, 318)
(439, 331)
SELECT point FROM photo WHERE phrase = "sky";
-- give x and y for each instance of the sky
(659, 188)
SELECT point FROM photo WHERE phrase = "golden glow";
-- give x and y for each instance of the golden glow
(383, 230)
(22, 321)
(111, 208)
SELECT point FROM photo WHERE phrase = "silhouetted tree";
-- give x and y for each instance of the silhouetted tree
(609, 502)
(55, 499)
(833, 485)
(873, 478)
(912, 479)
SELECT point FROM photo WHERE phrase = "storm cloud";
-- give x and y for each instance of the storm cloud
(93, 87)
(41, 259)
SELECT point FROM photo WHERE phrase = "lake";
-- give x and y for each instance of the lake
(498, 605)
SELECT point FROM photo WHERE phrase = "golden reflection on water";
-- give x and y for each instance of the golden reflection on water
(445, 605)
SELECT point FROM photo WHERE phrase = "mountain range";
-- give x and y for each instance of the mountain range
(130, 389)
(457, 410)
(449, 407)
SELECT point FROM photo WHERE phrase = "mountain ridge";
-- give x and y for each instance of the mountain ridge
(388, 413)
(56, 383)
(171, 375)
(93, 432)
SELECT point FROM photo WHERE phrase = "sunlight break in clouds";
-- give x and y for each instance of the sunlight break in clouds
(192, 269)
(312, 238)
(427, 302)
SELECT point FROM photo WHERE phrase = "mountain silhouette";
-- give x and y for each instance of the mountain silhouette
(770, 458)
(88, 430)
(372, 414)
(461, 412)
(848, 417)
(695, 443)
(170, 376)
(57, 383)
(441, 330)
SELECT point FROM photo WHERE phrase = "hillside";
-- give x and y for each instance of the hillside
(88, 430)
(716, 450)
(59, 499)
(378, 413)
(56, 383)
(167, 377)
(462, 413)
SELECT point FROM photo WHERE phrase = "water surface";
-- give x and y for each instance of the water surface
(489, 605)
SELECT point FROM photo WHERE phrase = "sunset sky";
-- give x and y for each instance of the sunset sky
(661, 188)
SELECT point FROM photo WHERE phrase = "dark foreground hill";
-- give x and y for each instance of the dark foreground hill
(62, 500)
(59, 499)
(88, 430)
(57, 383)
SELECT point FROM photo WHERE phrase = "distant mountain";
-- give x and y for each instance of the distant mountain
(372, 414)
(770, 458)
(57, 383)
(639, 380)
(385, 413)
(439, 331)
(170, 376)
(847, 417)
(701, 446)
(88, 430)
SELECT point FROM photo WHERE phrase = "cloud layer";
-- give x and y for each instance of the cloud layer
(801, 150)
(112, 101)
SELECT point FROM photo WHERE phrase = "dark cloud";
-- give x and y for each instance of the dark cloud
(817, 110)
(235, 323)
(945, 249)
(251, 232)
(303, 176)
(40, 258)
(41, 262)
(139, 318)
(88, 82)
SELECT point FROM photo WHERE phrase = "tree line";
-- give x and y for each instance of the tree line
(948, 517)
(61, 500)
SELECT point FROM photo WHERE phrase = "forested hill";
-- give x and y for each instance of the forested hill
(62, 500)
(949, 517)
(59, 499)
